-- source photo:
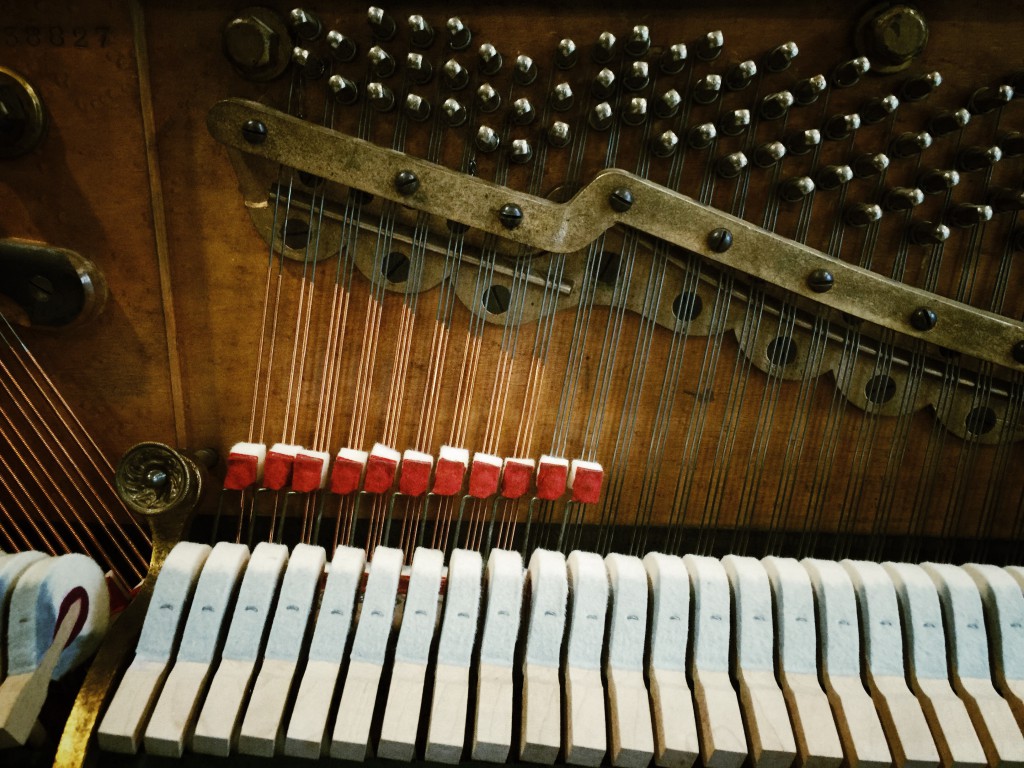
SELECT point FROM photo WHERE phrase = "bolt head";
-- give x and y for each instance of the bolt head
(254, 131)
(510, 215)
(406, 182)
(720, 240)
(621, 200)
(1018, 352)
(820, 281)
(893, 38)
(249, 43)
(156, 479)
(923, 319)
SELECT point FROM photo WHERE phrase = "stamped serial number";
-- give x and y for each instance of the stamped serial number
(55, 36)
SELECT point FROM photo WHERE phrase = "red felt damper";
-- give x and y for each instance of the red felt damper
(306, 473)
(415, 477)
(243, 471)
(448, 477)
(277, 470)
(345, 476)
(483, 478)
(380, 474)
(586, 484)
(551, 480)
(516, 479)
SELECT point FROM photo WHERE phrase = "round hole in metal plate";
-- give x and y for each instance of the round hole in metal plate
(781, 351)
(395, 267)
(880, 389)
(496, 299)
(687, 306)
(981, 420)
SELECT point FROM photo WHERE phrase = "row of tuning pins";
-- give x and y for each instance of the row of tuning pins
(637, 109)
(341, 48)
(930, 181)
(382, 65)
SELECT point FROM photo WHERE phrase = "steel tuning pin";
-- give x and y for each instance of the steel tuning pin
(878, 109)
(304, 24)
(902, 198)
(309, 66)
(775, 105)
(949, 122)
(525, 71)
(734, 122)
(869, 165)
(638, 76)
(802, 142)
(833, 176)
(667, 105)
(989, 99)
(421, 34)
(639, 41)
(562, 97)
(603, 85)
(664, 144)
(419, 69)
(809, 89)
(936, 181)
(862, 214)
(559, 134)
(796, 189)
(566, 54)
(740, 75)
(453, 112)
(1012, 143)
(710, 46)
(707, 89)
(342, 48)
(850, 72)
(967, 215)
(380, 96)
(416, 108)
(780, 57)
(459, 36)
(731, 166)
(342, 89)
(382, 63)
(601, 116)
(839, 127)
(702, 136)
(523, 112)
(487, 99)
(910, 144)
(487, 139)
(921, 87)
(928, 233)
(456, 76)
(381, 25)
(978, 158)
(635, 111)
(768, 154)
(490, 59)
(520, 152)
(604, 48)
(673, 59)
(1004, 200)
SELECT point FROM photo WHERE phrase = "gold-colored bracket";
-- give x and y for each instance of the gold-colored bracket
(164, 487)
(659, 212)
